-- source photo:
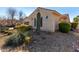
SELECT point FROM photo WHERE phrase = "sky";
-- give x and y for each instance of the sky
(72, 11)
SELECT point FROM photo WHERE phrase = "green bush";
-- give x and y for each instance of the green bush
(28, 40)
(17, 40)
(3, 28)
(23, 28)
(14, 40)
(74, 25)
(21, 36)
(64, 27)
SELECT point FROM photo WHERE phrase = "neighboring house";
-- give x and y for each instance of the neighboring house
(49, 19)
(8, 22)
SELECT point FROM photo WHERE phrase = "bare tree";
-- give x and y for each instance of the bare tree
(20, 15)
(11, 13)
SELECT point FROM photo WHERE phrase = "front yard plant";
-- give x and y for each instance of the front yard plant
(64, 27)
(21, 36)
(74, 25)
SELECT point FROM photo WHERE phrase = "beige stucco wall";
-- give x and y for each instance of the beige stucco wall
(48, 24)
(56, 21)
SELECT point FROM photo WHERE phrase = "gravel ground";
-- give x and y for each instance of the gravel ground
(53, 42)
(47, 42)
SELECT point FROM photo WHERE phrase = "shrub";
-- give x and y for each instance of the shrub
(20, 37)
(74, 25)
(6, 32)
(28, 40)
(27, 37)
(3, 28)
(17, 40)
(23, 28)
(14, 40)
(64, 27)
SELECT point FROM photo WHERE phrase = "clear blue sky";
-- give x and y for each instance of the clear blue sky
(72, 11)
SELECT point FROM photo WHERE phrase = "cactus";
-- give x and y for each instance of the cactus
(38, 22)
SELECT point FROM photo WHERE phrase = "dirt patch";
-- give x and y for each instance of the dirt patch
(2, 39)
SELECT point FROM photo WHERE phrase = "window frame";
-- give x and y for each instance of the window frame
(46, 17)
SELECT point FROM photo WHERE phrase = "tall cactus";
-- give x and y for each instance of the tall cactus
(38, 22)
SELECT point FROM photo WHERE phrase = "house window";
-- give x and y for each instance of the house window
(46, 17)
(34, 21)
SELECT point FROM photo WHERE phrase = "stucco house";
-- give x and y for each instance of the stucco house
(49, 18)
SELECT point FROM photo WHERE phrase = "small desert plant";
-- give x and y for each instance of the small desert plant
(27, 37)
(28, 40)
(21, 36)
(64, 27)
(14, 40)
(74, 25)
(23, 28)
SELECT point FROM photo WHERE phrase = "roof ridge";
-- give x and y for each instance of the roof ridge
(47, 9)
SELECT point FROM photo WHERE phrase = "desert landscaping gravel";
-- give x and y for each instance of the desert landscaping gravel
(47, 42)
(53, 42)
